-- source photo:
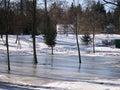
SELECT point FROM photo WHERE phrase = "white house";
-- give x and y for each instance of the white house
(65, 29)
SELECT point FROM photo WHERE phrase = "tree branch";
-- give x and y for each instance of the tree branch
(108, 2)
(1, 2)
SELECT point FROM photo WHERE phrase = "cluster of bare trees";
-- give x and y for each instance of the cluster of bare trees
(59, 13)
(22, 17)
(6, 7)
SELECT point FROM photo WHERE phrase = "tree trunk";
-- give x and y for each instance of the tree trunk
(79, 55)
(34, 32)
(77, 41)
(1, 36)
(119, 16)
(46, 17)
(7, 29)
(21, 5)
(76, 33)
(93, 40)
(16, 39)
(52, 50)
(8, 57)
(34, 50)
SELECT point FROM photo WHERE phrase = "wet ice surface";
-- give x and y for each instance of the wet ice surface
(64, 67)
(26, 75)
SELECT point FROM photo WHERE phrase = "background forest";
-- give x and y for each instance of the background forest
(92, 15)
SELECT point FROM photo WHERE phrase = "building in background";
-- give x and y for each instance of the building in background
(65, 29)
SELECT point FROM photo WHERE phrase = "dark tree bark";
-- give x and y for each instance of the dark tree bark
(76, 33)
(52, 50)
(7, 29)
(34, 32)
(21, 21)
(93, 40)
(77, 41)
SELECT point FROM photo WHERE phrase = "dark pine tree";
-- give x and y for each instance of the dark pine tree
(49, 30)
(86, 39)
(50, 34)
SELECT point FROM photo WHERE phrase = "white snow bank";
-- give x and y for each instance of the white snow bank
(64, 45)
(32, 83)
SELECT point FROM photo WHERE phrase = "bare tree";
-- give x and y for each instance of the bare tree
(76, 32)
(34, 31)
(21, 25)
(7, 2)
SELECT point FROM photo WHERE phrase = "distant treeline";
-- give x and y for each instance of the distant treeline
(20, 19)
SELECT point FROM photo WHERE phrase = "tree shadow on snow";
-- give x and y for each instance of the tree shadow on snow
(12, 86)
(105, 83)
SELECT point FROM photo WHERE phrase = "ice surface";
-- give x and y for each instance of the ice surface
(60, 72)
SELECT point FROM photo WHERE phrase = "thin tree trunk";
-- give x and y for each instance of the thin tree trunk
(46, 16)
(119, 16)
(52, 50)
(16, 39)
(21, 5)
(7, 29)
(93, 40)
(18, 43)
(76, 32)
(77, 41)
(34, 31)
(8, 57)
(2, 38)
(21, 18)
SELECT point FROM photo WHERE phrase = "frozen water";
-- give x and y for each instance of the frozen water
(64, 67)
(62, 70)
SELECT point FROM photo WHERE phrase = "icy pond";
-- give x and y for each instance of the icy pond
(61, 67)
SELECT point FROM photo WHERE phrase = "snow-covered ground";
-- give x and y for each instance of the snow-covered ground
(65, 45)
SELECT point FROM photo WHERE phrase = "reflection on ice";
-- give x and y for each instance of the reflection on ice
(63, 67)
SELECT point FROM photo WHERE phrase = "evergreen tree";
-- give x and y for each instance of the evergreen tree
(98, 12)
(116, 19)
(117, 4)
(49, 30)
(86, 39)
(110, 18)
(50, 34)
